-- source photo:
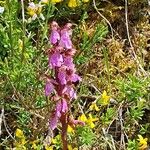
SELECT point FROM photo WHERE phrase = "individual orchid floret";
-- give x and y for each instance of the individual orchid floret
(49, 88)
(68, 61)
(74, 78)
(65, 40)
(53, 121)
(55, 60)
(55, 36)
(62, 76)
(70, 92)
(61, 107)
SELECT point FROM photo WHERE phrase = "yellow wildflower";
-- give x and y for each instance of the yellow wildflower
(105, 99)
(49, 147)
(82, 118)
(70, 148)
(56, 1)
(19, 133)
(72, 3)
(94, 106)
(85, 1)
(34, 144)
(20, 144)
(142, 142)
(70, 129)
(90, 121)
(56, 138)
(34, 9)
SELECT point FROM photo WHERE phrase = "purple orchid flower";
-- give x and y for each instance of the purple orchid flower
(55, 36)
(61, 107)
(68, 61)
(55, 60)
(69, 90)
(64, 106)
(62, 77)
(53, 121)
(49, 88)
(74, 78)
(65, 40)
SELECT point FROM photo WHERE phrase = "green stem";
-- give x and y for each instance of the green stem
(107, 68)
(10, 28)
(23, 43)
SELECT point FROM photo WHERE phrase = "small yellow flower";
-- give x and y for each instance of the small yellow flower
(56, 138)
(49, 147)
(34, 144)
(20, 145)
(105, 99)
(70, 129)
(88, 120)
(91, 120)
(34, 9)
(142, 142)
(70, 148)
(94, 107)
(85, 1)
(72, 3)
(19, 133)
(82, 118)
(56, 1)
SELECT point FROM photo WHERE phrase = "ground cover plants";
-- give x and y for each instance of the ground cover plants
(74, 75)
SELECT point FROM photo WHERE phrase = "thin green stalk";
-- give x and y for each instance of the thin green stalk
(10, 28)
(23, 42)
(105, 52)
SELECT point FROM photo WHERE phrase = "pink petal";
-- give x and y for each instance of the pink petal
(55, 60)
(68, 61)
(58, 109)
(49, 88)
(68, 90)
(75, 78)
(62, 77)
(53, 122)
(64, 106)
(65, 40)
(54, 37)
(78, 122)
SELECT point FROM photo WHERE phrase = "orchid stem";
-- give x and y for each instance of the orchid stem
(64, 131)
